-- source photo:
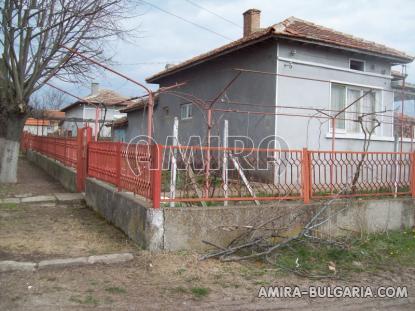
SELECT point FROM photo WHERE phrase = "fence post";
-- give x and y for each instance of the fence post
(156, 163)
(306, 175)
(65, 157)
(84, 137)
(413, 174)
(118, 165)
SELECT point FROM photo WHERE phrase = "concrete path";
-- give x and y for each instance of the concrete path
(55, 197)
(11, 265)
(31, 181)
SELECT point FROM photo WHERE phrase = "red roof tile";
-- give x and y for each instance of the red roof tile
(37, 122)
(54, 114)
(295, 28)
(138, 104)
(107, 97)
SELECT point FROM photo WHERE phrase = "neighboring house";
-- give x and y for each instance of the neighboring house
(294, 64)
(136, 123)
(118, 129)
(83, 112)
(405, 121)
(404, 94)
(46, 125)
(404, 124)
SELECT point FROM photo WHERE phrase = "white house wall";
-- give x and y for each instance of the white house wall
(84, 112)
(75, 112)
(323, 64)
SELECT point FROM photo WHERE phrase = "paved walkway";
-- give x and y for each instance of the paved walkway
(32, 181)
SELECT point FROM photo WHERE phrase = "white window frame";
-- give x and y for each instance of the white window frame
(188, 115)
(379, 130)
(358, 60)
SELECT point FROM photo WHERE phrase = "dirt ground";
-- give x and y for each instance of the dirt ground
(151, 281)
(31, 181)
(50, 230)
(172, 281)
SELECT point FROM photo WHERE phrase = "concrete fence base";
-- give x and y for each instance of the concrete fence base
(65, 175)
(132, 215)
(185, 228)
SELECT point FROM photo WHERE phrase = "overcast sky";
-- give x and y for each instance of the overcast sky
(164, 38)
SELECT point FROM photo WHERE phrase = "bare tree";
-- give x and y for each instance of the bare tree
(368, 128)
(33, 36)
(51, 100)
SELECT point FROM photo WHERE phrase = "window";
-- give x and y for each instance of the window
(356, 64)
(186, 111)
(338, 98)
(343, 96)
(353, 95)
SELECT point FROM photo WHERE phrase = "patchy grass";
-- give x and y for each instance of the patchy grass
(199, 292)
(30, 232)
(4, 190)
(180, 290)
(180, 271)
(8, 206)
(371, 253)
(252, 273)
(116, 290)
(87, 300)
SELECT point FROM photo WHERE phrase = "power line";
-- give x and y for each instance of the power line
(150, 63)
(211, 12)
(186, 20)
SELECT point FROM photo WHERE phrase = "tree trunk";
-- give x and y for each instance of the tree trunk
(9, 146)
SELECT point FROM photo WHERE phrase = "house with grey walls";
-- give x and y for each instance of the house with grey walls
(109, 104)
(283, 81)
(135, 123)
(118, 129)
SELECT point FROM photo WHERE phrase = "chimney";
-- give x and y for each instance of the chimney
(94, 88)
(252, 21)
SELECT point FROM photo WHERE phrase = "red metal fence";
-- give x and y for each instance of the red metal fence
(347, 173)
(63, 149)
(125, 166)
(235, 174)
(181, 175)
(238, 174)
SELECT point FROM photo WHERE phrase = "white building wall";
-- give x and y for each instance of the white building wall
(330, 66)
(88, 112)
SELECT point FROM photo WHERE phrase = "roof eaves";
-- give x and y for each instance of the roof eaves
(133, 107)
(283, 30)
(399, 60)
(228, 48)
(70, 106)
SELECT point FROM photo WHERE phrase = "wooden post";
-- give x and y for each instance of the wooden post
(156, 163)
(84, 137)
(413, 174)
(207, 160)
(65, 156)
(333, 139)
(225, 161)
(173, 176)
(118, 164)
(306, 174)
